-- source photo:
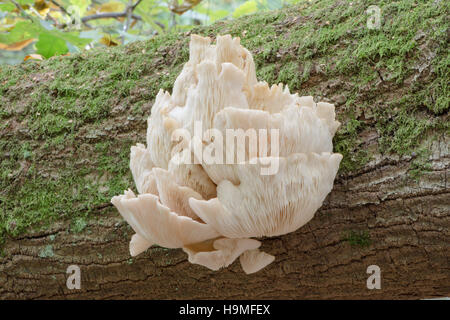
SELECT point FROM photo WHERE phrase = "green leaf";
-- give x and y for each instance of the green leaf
(150, 12)
(218, 14)
(49, 45)
(7, 7)
(82, 5)
(73, 38)
(24, 2)
(245, 8)
(213, 15)
(22, 30)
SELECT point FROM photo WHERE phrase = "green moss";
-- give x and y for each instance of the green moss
(347, 143)
(357, 238)
(267, 73)
(290, 74)
(402, 135)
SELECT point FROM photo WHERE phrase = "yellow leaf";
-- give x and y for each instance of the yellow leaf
(54, 6)
(42, 7)
(112, 7)
(107, 7)
(193, 2)
(185, 6)
(133, 24)
(17, 46)
(33, 56)
(108, 41)
(56, 14)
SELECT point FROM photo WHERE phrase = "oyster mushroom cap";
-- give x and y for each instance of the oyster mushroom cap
(193, 176)
(254, 260)
(298, 130)
(216, 89)
(220, 253)
(159, 130)
(138, 245)
(301, 129)
(326, 111)
(272, 99)
(270, 205)
(157, 224)
(141, 168)
(174, 196)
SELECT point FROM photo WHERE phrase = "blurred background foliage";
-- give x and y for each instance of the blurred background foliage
(40, 29)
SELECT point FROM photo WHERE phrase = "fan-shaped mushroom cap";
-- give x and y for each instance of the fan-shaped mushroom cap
(220, 253)
(254, 260)
(141, 168)
(193, 176)
(138, 245)
(270, 205)
(326, 111)
(227, 50)
(174, 196)
(214, 91)
(300, 130)
(272, 99)
(157, 224)
(159, 130)
(199, 49)
(306, 101)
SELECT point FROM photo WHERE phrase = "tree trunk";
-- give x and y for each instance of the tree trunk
(389, 206)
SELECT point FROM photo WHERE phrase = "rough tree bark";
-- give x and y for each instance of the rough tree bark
(390, 210)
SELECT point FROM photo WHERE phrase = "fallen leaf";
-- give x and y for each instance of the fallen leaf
(108, 41)
(107, 7)
(182, 8)
(33, 56)
(133, 24)
(16, 46)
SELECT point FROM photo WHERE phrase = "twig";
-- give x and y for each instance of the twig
(21, 10)
(136, 4)
(129, 10)
(60, 7)
(161, 25)
(106, 15)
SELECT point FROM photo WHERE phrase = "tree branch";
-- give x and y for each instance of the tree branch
(68, 14)
(129, 10)
(136, 4)
(114, 15)
(60, 7)
(107, 15)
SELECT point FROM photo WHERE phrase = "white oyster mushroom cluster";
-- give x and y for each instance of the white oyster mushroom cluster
(212, 210)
